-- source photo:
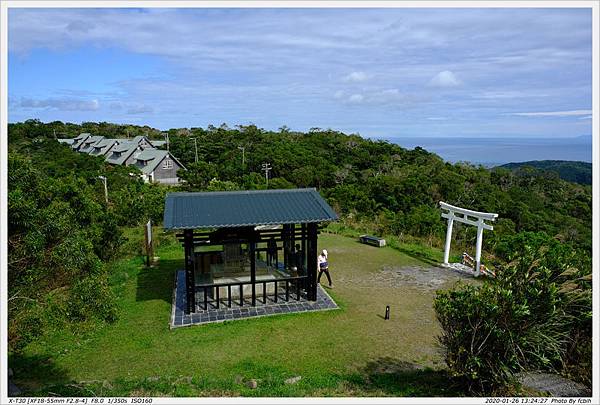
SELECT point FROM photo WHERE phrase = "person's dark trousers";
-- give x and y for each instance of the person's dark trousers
(326, 271)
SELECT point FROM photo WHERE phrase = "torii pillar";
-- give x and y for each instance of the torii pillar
(468, 217)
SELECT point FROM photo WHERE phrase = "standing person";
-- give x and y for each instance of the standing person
(272, 253)
(298, 259)
(324, 267)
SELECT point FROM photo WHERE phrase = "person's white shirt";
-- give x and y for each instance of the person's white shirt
(321, 259)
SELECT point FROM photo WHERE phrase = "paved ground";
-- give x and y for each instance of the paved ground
(554, 385)
(237, 311)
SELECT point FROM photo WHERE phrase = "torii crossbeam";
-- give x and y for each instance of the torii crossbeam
(468, 217)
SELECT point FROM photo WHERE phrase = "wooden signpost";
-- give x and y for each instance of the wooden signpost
(148, 243)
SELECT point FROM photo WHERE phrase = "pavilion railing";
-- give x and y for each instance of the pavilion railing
(297, 283)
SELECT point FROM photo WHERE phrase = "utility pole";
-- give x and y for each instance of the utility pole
(103, 178)
(196, 148)
(267, 168)
(167, 138)
(243, 149)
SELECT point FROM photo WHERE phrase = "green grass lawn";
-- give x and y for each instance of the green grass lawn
(351, 351)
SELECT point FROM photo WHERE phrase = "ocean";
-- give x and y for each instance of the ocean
(497, 151)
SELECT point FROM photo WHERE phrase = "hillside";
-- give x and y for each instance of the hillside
(65, 240)
(575, 172)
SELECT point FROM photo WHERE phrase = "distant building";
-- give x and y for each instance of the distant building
(79, 139)
(140, 140)
(122, 154)
(158, 144)
(158, 166)
(103, 147)
(88, 145)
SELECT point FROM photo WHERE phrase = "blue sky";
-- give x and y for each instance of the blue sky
(378, 72)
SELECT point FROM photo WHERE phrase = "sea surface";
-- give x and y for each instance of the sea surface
(497, 151)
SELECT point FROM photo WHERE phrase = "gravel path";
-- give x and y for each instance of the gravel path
(429, 278)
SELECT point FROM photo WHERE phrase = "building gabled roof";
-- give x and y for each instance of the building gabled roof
(68, 141)
(88, 144)
(100, 147)
(124, 151)
(123, 146)
(149, 154)
(158, 143)
(154, 157)
(79, 139)
(230, 209)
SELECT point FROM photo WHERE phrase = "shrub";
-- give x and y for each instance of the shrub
(91, 298)
(524, 319)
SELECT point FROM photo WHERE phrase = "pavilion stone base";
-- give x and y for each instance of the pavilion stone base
(224, 313)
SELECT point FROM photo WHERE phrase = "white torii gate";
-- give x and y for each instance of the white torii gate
(464, 216)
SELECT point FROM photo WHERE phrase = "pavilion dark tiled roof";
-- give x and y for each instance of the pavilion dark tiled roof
(229, 209)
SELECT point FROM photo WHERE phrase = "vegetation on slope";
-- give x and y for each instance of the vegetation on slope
(576, 172)
(374, 185)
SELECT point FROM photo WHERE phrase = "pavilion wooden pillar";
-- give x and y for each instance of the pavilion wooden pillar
(293, 239)
(303, 227)
(253, 271)
(190, 281)
(286, 244)
(311, 258)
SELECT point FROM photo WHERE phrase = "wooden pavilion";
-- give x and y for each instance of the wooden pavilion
(245, 246)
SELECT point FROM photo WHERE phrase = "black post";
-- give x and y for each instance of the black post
(311, 257)
(190, 282)
(303, 247)
(253, 271)
(286, 245)
(293, 240)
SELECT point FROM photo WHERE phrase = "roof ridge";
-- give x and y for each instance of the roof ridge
(258, 191)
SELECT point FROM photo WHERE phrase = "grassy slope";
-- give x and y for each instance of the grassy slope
(341, 352)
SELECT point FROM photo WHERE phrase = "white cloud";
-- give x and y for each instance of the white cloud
(437, 118)
(570, 113)
(587, 117)
(63, 104)
(509, 94)
(356, 77)
(339, 94)
(139, 109)
(356, 98)
(444, 79)
(375, 97)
